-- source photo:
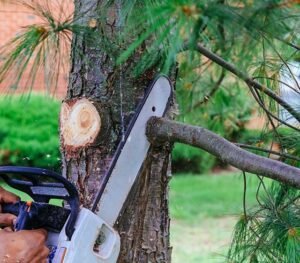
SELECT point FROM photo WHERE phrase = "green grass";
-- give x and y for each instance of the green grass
(196, 197)
(204, 210)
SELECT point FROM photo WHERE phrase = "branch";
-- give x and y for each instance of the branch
(251, 82)
(160, 130)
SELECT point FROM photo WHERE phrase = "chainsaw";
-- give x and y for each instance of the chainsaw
(76, 234)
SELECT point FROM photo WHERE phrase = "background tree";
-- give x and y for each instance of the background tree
(115, 56)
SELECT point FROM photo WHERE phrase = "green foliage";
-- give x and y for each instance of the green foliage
(290, 142)
(255, 137)
(169, 26)
(29, 131)
(191, 159)
(270, 232)
(287, 139)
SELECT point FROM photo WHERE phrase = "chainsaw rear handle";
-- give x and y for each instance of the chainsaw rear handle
(41, 185)
(33, 215)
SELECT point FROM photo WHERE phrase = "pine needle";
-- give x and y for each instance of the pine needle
(41, 49)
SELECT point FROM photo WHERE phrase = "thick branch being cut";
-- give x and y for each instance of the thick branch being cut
(251, 82)
(160, 129)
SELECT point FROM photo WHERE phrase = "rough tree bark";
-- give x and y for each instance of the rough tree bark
(90, 131)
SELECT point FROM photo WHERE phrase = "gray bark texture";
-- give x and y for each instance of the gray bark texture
(160, 130)
(144, 222)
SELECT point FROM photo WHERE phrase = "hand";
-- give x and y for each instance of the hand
(25, 246)
(7, 197)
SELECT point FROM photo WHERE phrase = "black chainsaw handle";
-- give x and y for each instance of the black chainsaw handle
(33, 215)
(43, 185)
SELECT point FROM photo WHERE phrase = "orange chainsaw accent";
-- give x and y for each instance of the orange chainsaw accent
(28, 204)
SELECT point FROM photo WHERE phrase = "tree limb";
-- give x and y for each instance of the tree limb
(251, 82)
(160, 129)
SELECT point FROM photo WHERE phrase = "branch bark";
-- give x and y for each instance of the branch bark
(160, 130)
(248, 80)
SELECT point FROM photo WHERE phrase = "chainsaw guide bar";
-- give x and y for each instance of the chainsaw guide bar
(131, 152)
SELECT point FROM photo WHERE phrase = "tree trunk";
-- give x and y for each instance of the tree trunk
(91, 125)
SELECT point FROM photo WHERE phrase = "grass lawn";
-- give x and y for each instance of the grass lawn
(204, 210)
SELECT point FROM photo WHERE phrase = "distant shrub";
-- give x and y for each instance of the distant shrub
(191, 159)
(29, 131)
(255, 137)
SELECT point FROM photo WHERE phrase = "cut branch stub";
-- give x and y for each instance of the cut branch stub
(80, 123)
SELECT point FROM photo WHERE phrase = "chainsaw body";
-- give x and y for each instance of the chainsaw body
(93, 241)
(75, 235)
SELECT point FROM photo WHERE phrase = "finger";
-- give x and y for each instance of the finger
(8, 229)
(28, 255)
(41, 255)
(8, 197)
(40, 232)
(33, 253)
(7, 219)
(38, 236)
